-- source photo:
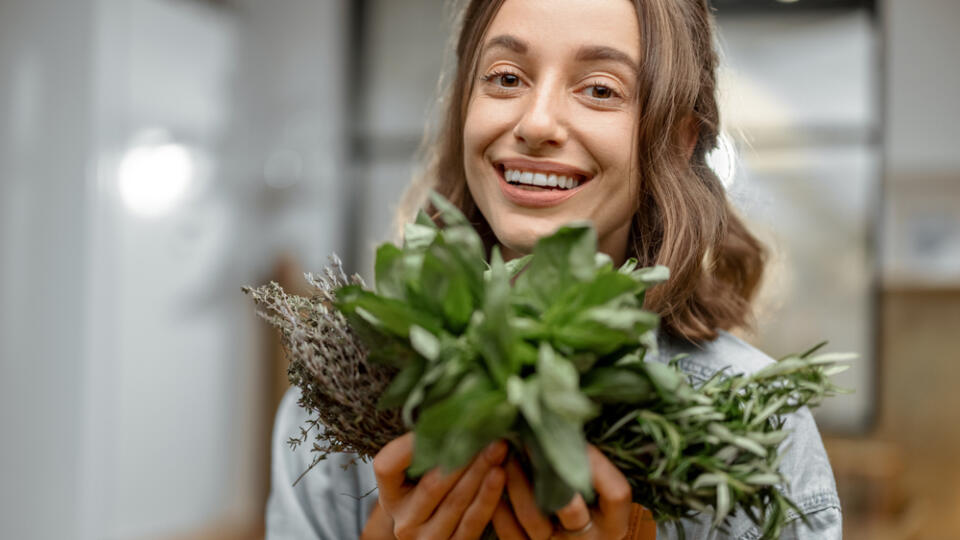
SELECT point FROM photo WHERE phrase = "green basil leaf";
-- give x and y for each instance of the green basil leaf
(425, 343)
(617, 385)
(416, 236)
(450, 214)
(495, 337)
(402, 384)
(423, 219)
(559, 261)
(565, 449)
(389, 271)
(549, 489)
(450, 433)
(391, 315)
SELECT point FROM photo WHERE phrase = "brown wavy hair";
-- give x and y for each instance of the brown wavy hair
(684, 219)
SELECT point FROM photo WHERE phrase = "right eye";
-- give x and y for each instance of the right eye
(503, 79)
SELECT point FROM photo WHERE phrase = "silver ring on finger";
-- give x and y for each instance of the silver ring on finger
(581, 531)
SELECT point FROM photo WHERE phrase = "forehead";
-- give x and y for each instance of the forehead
(564, 26)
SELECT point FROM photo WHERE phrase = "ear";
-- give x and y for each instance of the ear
(690, 133)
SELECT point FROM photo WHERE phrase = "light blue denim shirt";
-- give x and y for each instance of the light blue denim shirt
(327, 504)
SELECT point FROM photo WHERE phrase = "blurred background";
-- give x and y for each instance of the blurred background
(157, 155)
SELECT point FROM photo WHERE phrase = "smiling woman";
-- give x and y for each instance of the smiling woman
(620, 97)
(563, 110)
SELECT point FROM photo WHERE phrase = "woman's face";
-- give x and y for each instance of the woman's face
(554, 103)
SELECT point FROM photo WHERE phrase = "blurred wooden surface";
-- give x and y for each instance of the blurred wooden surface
(902, 481)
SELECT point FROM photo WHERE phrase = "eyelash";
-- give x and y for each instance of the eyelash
(594, 84)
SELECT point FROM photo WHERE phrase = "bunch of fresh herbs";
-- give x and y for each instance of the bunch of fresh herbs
(549, 351)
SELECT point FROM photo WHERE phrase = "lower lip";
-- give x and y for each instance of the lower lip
(540, 198)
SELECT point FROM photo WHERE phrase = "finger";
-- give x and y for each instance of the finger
(613, 490)
(505, 523)
(390, 466)
(536, 525)
(429, 491)
(478, 514)
(452, 507)
(575, 515)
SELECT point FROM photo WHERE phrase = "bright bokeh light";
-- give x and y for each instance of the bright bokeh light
(723, 160)
(154, 177)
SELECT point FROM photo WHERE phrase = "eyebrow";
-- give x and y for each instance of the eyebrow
(585, 53)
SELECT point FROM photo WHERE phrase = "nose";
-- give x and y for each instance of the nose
(542, 121)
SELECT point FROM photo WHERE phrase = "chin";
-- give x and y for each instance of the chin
(520, 233)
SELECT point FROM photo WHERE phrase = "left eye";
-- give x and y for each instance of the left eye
(601, 92)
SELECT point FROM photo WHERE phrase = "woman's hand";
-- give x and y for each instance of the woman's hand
(610, 521)
(457, 505)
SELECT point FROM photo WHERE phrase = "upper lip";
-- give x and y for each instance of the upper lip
(543, 166)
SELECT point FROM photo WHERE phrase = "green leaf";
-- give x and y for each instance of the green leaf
(451, 284)
(525, 395)
(417, 236)
(559, 260)
(629, 265)
(494, 335)
(617, 385)
(450, 433)
(602, 261)
(723, 503)
(592, 336)
(565, 449)
(401, 385)
(424, 342)
(424, 220)
(666, 378)
(549, 489)
(606, 287)
(629, 320)
(514, 266)
(388, 314)
(450, 214)
(651, 275)
(389, 271)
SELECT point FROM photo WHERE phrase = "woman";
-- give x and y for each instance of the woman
(562, 110)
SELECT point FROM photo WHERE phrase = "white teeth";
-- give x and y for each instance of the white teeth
(540, 179)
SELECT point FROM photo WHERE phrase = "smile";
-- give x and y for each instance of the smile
(530, 178)
(537, 188)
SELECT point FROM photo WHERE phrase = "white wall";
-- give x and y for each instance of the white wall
(45, 141)
(132, 389)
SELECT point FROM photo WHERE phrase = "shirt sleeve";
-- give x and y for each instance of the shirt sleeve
(331, 502)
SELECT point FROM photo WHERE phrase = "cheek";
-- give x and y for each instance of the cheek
(483, 124)
(611, 142)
